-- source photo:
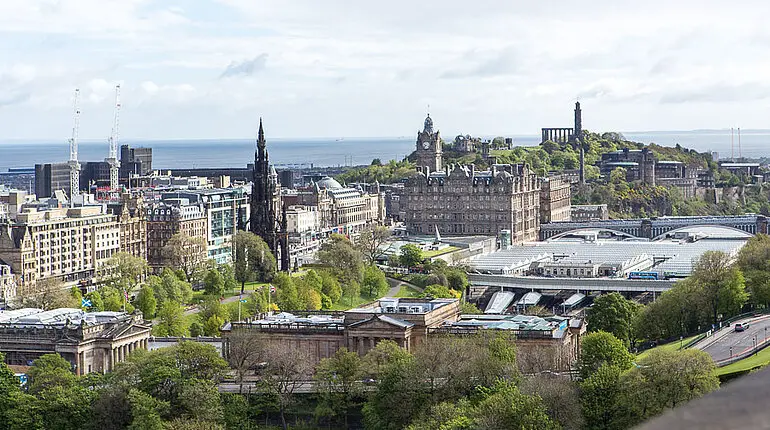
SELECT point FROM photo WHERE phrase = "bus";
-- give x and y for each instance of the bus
(643, 275)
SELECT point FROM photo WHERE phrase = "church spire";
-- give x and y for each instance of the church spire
(261, 134)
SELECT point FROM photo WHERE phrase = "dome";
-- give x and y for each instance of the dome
(328, 183)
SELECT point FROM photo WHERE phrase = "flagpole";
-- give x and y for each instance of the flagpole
(239, 306)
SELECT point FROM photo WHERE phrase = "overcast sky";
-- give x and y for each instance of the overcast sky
(210, 68)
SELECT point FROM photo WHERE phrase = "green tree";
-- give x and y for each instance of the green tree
(214, 283)
(253, 260)
(146, 411)
(338, 380)
(411, 255)
(440, 292)
(470, 309)
(374, 285)
(381, 356)
(146, 302)
(505, 407)
(170, 320)
(342, 259)
(754, 261)
(77, 296)
(600, 398)
(196, 329)
(9, 390)
(351, 291)
(722, 283)
(457, 279)
(112, 298)
(614, 314)
(212, 325)
(65, 407)
(228, 274)
(97, 304)
(287, 295)
(398, 397)
(330, 286)
(601, 348)
(48, 371)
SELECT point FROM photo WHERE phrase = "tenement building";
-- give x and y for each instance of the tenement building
(132, 220)
(67, 244)
(165, 219)
(555, 199)
(90, 342)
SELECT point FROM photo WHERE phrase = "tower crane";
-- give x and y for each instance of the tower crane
(73, 141)
(112, 160)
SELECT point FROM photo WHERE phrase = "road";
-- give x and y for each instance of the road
(195, 309)
(395, 286)
(727, 342)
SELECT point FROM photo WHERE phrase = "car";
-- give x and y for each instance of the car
(741, 326)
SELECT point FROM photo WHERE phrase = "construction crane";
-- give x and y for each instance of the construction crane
(73, 141)
(112, 160)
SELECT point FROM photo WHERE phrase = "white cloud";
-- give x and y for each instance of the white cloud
(365, 68)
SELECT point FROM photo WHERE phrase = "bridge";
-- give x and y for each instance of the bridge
(653, 227)
(569, 284)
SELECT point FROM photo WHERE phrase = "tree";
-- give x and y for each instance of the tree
(244, 352)
(48, 371)
(614, 314)
(723, 284)
(382, 355)
(113, 299)
(97, 304)
(754, 261)
(310, 298)
(253, 259)
(399, 395)
(228, 274)
(601, 348)
(287, 294)
(560, 396)
(9, 390)
(351, 290)
(212, 325)
(440, 292)
(469, 308)
(145, 411)
(506, 407)
(330, 286)
(125, 272)
(186, 253)
(338, 380)
(170, 287)
(600, 398)
(146, 302)
(665, 379)
(286, 368)
(214, 283)
(343, 260)
(171, 320)
(46, 294)
(457, 279)
(411, 255)
(374, 285)
(370, 240)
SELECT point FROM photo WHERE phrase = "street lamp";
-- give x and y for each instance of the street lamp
(731, 352)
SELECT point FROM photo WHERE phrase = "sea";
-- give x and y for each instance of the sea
(307, 153)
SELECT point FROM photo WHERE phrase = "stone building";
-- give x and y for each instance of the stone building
(132, 220)
(7, 284)
(579, 213)
(463, 201)
(409, 322)
(91, 342)
(555, 199)
(165, 219)
(429, 148)
(68, 244)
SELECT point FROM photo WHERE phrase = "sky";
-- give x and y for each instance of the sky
(347, 68)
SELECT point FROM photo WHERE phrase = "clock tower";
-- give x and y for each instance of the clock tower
(429, 154)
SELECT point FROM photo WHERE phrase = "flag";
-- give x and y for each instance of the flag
(272, 288)
(85, 303)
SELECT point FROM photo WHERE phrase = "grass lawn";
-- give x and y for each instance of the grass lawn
(762, 358)
(671, 346)
(407, 291)
(431, 254)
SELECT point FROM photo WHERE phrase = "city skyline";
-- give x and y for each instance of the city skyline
(209, 69)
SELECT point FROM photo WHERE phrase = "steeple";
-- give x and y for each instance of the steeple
(578, 122)
(261, 135)
(428, 126)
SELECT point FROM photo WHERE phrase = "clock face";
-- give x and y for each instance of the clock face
(426, 145)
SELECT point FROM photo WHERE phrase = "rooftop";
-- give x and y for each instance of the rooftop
(674, 254)
(31, 317)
